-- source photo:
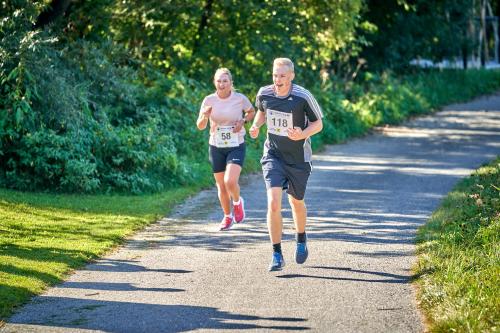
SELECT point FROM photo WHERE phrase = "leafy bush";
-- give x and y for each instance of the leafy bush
(92, 124)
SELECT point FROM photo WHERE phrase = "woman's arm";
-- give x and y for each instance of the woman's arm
(203, 117)
(249, 114)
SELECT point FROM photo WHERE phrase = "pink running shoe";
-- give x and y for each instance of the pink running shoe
(226, 223)
(239, 211)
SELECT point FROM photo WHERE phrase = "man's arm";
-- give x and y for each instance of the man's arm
(312, 128)
(259, 120)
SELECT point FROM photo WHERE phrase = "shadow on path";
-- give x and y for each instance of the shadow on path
(141, 317)
(392, 278)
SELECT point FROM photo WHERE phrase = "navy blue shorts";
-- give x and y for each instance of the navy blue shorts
(220, 157)
(290, 177)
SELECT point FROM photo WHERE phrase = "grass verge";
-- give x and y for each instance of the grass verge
(45, 236)
(459, 257)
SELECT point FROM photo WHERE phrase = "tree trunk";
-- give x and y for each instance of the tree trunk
(207, 12)
(497, 14)
(55, 10)
(465, 50)
(483, 38)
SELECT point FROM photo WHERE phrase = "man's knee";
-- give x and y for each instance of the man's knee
(274, 205)
(296, 202)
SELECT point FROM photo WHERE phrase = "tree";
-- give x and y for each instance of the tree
(417, 29)
(197, 36)
(55, 10)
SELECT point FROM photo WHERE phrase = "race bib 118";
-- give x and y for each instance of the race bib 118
(278, 122)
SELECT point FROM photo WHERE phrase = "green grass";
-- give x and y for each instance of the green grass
(459, 257)
(45, 236)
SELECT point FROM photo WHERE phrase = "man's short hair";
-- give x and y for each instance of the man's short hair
(284, 62)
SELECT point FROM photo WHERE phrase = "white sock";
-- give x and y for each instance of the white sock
(236, 203)
(228, 215)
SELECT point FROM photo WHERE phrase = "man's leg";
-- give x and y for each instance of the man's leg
(274, 218)
(275, 178)
(299, 212)
(275, 226)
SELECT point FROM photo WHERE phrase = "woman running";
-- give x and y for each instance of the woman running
(227, 111)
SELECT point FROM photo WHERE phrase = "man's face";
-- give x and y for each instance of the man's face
(282, 79)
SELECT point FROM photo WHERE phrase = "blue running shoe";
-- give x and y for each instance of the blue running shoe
(301, 253)
(277, 262)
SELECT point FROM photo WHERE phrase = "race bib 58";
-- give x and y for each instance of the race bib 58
(225, 138)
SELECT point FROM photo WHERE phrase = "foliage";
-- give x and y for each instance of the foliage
(196, 37)
(378, 99)
(408, 30)
(459, 256)
(105, 98)
(92, 124)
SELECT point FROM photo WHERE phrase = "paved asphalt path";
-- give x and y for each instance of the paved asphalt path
(366, 198)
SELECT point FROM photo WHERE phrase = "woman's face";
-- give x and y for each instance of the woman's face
(223, 83)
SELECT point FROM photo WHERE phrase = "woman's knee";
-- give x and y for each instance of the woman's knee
(230, 183)
(221, 187)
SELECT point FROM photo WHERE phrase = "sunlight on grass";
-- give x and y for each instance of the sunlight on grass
(45, 236)
(459, 257)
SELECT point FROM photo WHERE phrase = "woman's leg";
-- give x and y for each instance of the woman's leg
(231, 179)
(222, 192)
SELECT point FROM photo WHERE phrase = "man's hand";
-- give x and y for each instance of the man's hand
(254, 132)
(295, 134)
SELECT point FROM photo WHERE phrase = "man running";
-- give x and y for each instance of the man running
(292, 116)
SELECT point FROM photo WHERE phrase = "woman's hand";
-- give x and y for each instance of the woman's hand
(207, 112)
(239, 124)
(203, 117)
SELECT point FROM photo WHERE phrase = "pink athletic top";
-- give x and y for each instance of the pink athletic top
(226, 112)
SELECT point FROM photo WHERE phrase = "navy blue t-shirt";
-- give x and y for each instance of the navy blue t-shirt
(304, 109)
